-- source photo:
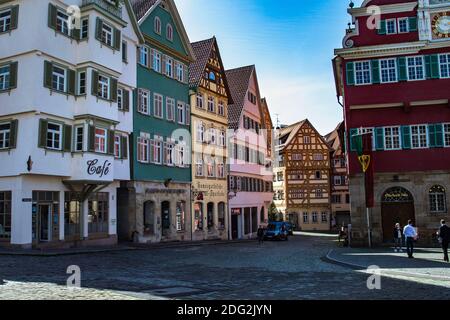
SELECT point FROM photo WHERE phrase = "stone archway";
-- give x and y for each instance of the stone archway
(397, 205)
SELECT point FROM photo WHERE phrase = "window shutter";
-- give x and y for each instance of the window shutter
(113, 88)
(75, 34)
(139, 100)
(163, 64)
(98, 29)
(14, 17)
(111, 135)
(152, 53)
(124, 147)
(48, 69)
(375, 71)
(72, 82)
(175, 68)
(188, 116)
(91, 139)
(412, 24)
(94, 83)
(427, 67)
(14, 124)
(439, 129)
(350, 71)
(434, 66)
(13, 75)
(406, 137)
(42, 141)
(379, 138)
(186, 74)
(353, 132)
(67, 138)
(432, 135)
(382, 29)
(125, 51)
(401, 65)
(52, 16)
(117, 39)
(126, 100)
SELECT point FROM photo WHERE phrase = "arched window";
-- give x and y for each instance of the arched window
(149, 217)
(169, 32)
(221, 215)
(212, 76)
(157, 25)
(437, 199)
(210, 215)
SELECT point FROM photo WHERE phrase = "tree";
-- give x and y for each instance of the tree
(273, 212)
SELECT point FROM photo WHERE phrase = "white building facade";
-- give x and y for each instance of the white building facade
(65, 119)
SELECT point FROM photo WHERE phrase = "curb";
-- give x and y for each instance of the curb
(62, 253)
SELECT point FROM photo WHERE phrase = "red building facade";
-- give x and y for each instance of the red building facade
(393, 78)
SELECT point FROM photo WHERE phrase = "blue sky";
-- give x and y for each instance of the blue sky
(291, 43)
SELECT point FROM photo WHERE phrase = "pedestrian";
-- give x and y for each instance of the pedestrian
(410, 235)
(398, 237)
(444, 238)
(260, 235)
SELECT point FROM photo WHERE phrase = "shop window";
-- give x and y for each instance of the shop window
(149, 217)
(437, 199)
(198, 216)
(221, 215)
(210, 215)
(98, 212)
(5, 214)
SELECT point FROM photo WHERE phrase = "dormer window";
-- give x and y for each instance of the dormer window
(157, 25)
(169, 32)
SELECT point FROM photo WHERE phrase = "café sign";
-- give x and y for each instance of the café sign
(99, 169)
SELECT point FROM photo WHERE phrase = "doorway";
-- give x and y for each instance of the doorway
(165, 217)
(234, 227)
(44, 222)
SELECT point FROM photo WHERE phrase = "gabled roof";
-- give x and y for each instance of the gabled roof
(134, 20)
(238, 80)
(289, 133)
(143, 8)
(202, 50)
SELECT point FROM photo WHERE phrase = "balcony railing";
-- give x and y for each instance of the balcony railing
(106, 5)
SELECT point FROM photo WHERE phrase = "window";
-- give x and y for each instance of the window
(305, 217)
(117, 142)
(54, 136)
(210, 215)
(220, 170)
(319, 193)
(403, 25)
(419, 136)
(170, 105)
(444, 65)
(392, 138)
(157, 26)
(336, 198)
(314, 217)
(318, 157)
(120, 98)
(5, 20)
(180, 72)
(169, 67)
(107, 34)
(388, 69)
(200, 101)
(306, 139)
(157, 150)
(59, 79)
(98, 207)
(437, 199)
(79, 137)
(210, 168)
(251, 97)
(212, 76)
(221, 109)
(324, 217)
(212, 136)
(447, 134)
(4, 77)
(84, 28)
(198, 216)
(199, 165)
(181, 210)
(62, 22)
(280, 176)
(158, 105)
(143, 56)
(143, 99)
(143, 150)
(103, 87)
(222, 139)
(362, 72)
(181, 113)
(200, 132)
(221, 215)
(124, 51)
(318, 175)
(100, 140)
(211, 104)
(156, 61)
(391, 26)
(5, 134)
(415, 68)
(337, 180)
(181, 155)
(82, 83)
(5, 214)
(169, 32)
(169, 153)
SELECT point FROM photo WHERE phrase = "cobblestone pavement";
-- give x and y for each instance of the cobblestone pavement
(275, 270)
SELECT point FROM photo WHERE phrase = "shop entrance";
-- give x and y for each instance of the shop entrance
(44, 224)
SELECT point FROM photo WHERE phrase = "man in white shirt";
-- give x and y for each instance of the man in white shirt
(410, 235)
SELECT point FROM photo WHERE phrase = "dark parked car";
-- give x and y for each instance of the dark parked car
(277, 231)
(290, 227)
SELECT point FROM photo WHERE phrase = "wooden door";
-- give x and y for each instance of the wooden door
(393, 213)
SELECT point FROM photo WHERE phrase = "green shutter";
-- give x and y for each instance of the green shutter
(94, 84)
(434, 66)
(382, 29)
(48, 69)
(13, 133)
(427, 66)
(406, 137)
(432, 135)
(353, 133)
(67, 138)
(52, 11)
(75, 34)
(375, 71)
(111, 135)
(42, 140)
(124, 147)
(91, 139)
(412, 24)
(350, 71)
(14, 17)
(379, 138)
(126, 100)
(113, 88)
(71, 88)
(401, 65)
(117, 39)
(13, 75)
(439, 129)
(98, 29)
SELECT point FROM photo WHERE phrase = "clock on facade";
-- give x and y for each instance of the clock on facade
(441, 25)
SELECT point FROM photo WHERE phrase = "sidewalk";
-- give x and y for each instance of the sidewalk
(428, 264)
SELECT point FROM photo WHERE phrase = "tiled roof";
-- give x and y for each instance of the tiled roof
(141, 7)
(238, 81)
(202, 50)
(288, 133)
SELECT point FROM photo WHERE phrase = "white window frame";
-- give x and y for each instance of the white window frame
(84, 31)
(434, 199)
(305, 217)
(398, 25)
(314, 217)
(158, 107)
(5, 22)
(200, 132)
(59, 78)
(117, 146)
(394, 21)
(211, 168)
(170, 106)
(324, 217)
(363, 72)
(169, 152)
(63, 19)
(211, 104)
(144, 106)
(107, 34)
(143, 56)
(221, 108)
(388, 70)
(158, 146)
(5, 77)
(200, 101)
(56, 136)
(392, 138)
(446, 131)
(418, 136)
(199, 166)
(181, 154)
(169, 32)
(220, 170)
(181, 113)
(143, 150)
(337, 180)
(84, 86)
(180, 72)
(120, 98)
(222, 138)
(157, 25)
(103, 84)
(101, 137)
(445, 65)
(416, 68)
(5, 135)
(169, 67)
(157, 57)
(77, 135)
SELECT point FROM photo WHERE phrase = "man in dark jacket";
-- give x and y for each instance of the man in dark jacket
(444, 235)
(260, 235)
